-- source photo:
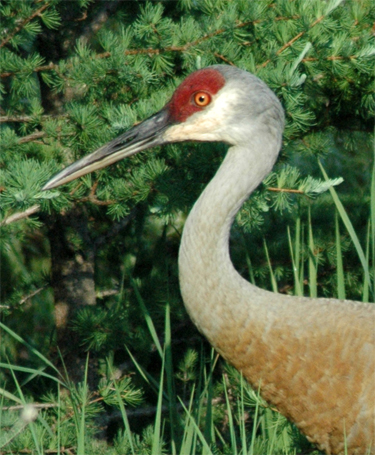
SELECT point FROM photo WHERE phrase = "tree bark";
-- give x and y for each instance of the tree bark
(72, 267)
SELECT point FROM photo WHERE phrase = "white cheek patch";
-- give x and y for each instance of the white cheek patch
(207, 125)
(201, 129)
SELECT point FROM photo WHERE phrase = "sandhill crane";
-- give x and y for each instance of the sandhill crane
(312, 358)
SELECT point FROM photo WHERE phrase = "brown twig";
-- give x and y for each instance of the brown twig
(331, 58)
(28, 118)
(75, 189)
(49, 67)
(285, 190)
(20, 215)
(93, 198)
(23, 23)
(31, 295)
(21, 302)
(82, 18)
(221, 57)
(107, 293)
(35, 208)
(14, 118)
(293, 40)
(32, 137)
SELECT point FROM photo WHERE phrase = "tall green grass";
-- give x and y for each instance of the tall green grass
(219, 414)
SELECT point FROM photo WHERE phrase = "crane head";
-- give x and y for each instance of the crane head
(218, 103)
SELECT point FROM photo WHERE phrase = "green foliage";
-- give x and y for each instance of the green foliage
(22, 182)
(77, 74)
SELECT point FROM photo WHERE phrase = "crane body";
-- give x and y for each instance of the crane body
(313, 359)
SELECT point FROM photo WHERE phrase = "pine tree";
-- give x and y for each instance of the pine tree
(77, 74)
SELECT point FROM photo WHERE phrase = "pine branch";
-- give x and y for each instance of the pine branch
(36, 135)
(106, 293)
(53, 66)
(32, 137)
(20, 215)
(147, 51)
(94, 200)
(92, 196)
(16, 119)
(31, 295)
(293, 40)
(183, 48)
(49, 67)
(23, 23)
(330, 59)
(284, 190)
(221, 57)
(187, 46)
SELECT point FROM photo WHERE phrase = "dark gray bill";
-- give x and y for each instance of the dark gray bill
(145, 135)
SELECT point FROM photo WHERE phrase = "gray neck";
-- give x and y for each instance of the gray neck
(214, 294)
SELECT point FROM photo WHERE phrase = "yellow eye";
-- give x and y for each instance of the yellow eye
(201, 99)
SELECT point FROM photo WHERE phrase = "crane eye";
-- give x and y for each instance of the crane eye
(201, 99)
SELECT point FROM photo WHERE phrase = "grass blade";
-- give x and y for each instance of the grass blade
(30, 370)
(147, 316)
(230, 420)
(339, 262)
(31, 348)
(313, 262)
(203, 441)
(295, 262)
(173, 415)
(157, 440)
(272, 275)
(349, 227)
(122, 410)
(372, 218)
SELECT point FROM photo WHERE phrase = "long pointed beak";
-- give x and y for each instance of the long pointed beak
(147, 134)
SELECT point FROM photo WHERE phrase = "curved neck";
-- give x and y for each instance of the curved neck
(211, 288)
